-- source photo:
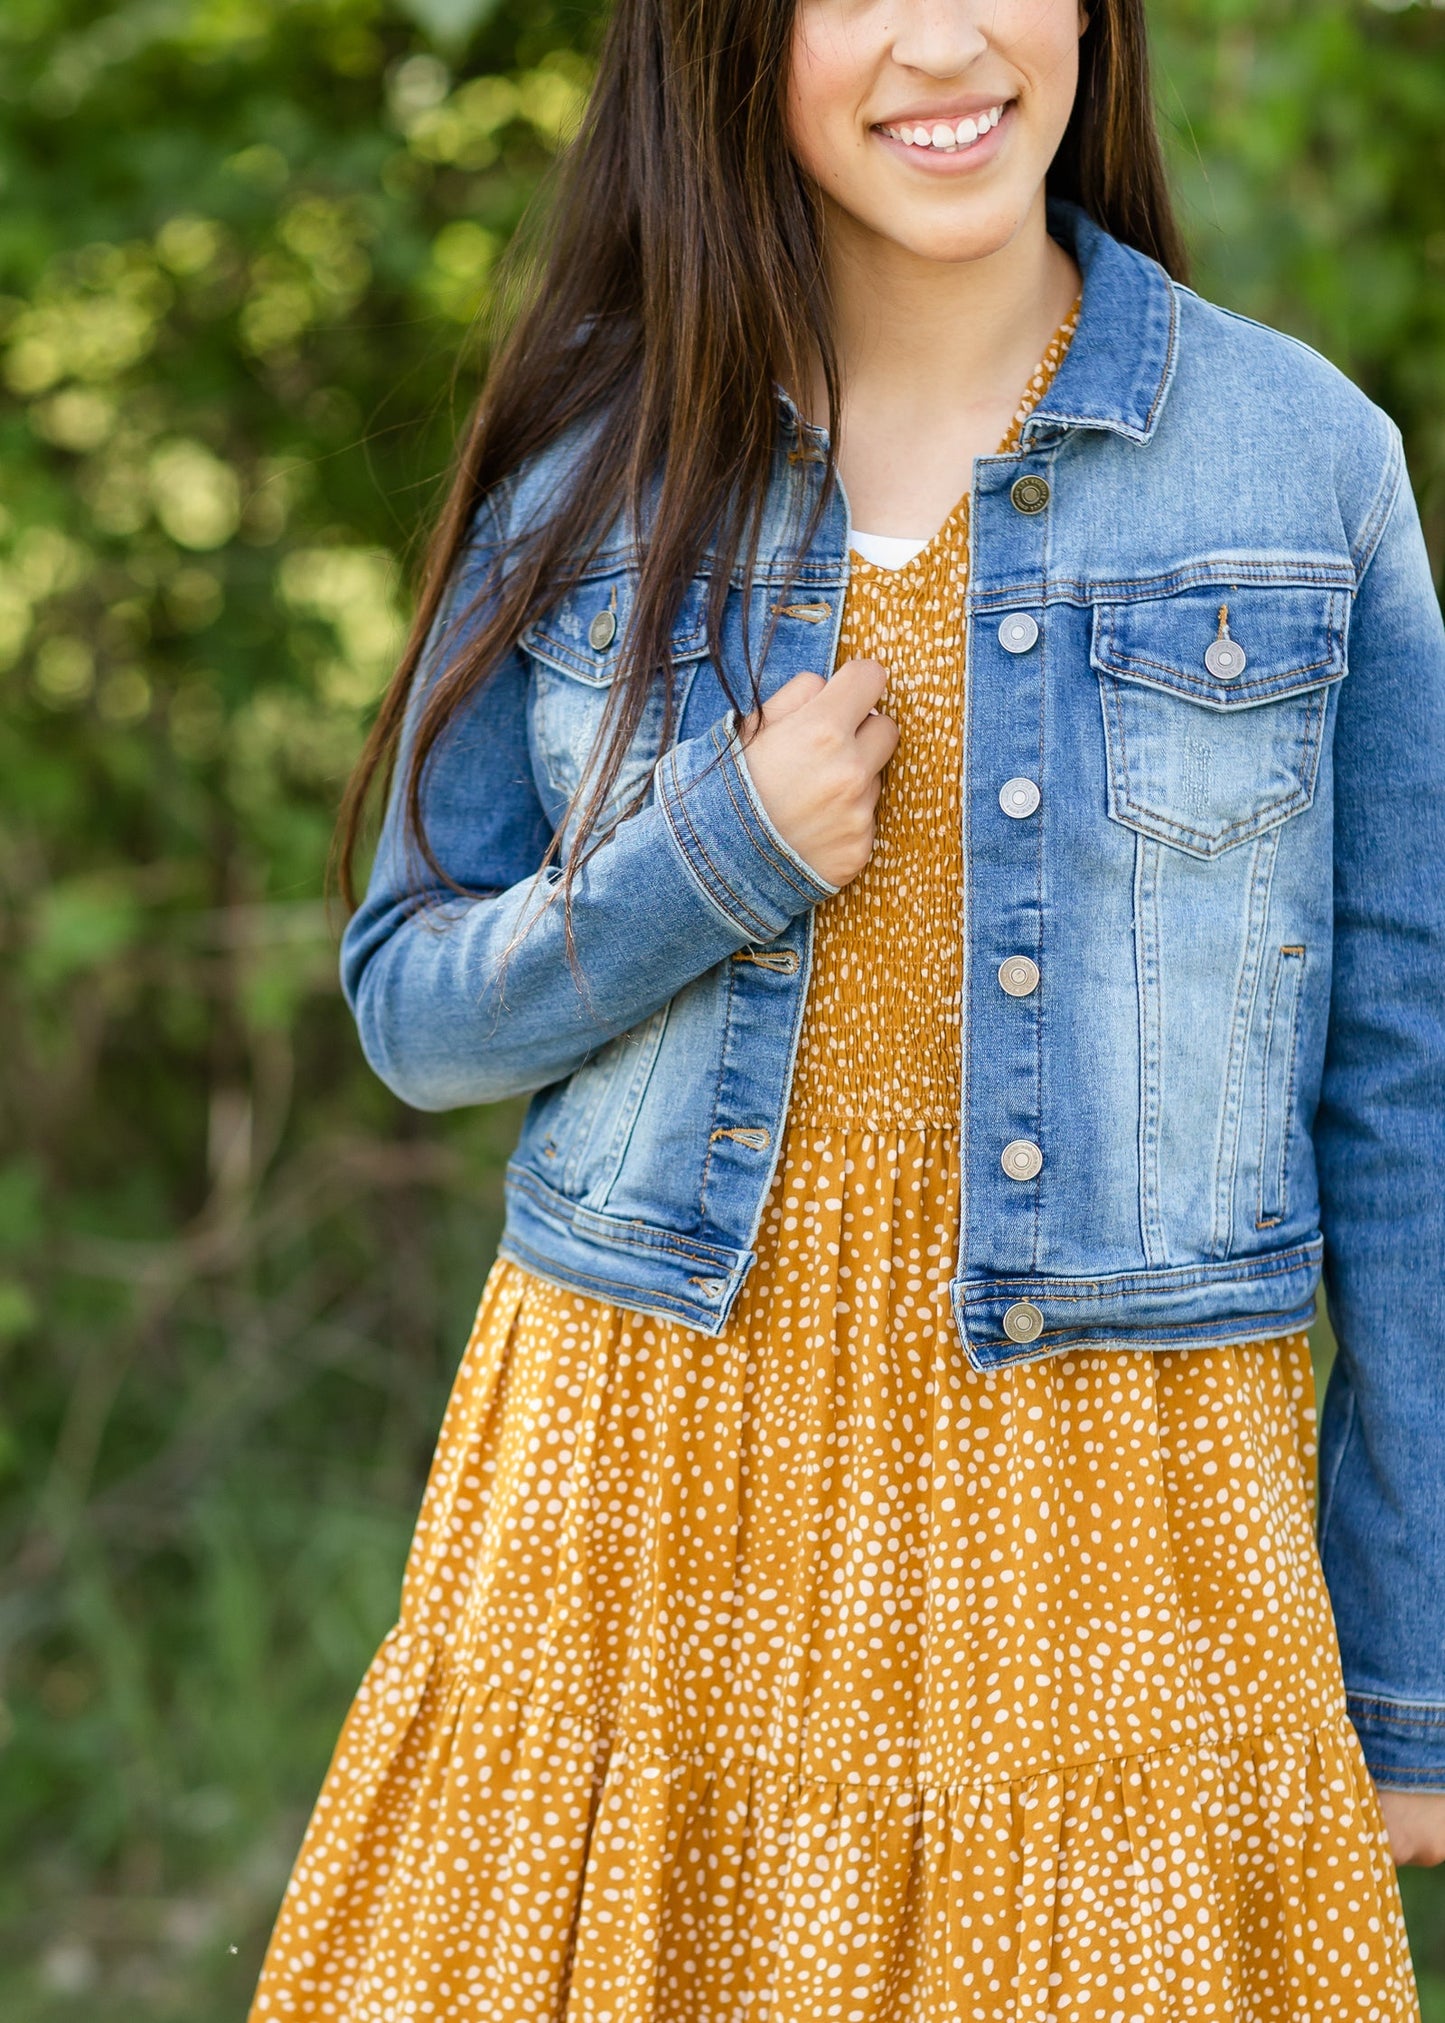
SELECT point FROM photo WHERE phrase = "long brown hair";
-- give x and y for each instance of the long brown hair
(681, 277)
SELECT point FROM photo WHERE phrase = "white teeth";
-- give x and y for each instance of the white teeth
(948, 139)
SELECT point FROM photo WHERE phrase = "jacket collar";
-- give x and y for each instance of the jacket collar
(1117, 371)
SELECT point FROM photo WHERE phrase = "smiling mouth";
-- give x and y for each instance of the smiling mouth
(947, 137)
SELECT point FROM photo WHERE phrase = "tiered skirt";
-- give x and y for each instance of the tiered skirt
(806, 1675)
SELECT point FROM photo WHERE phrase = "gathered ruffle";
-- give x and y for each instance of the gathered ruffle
(581, 1880)
(808, 1674)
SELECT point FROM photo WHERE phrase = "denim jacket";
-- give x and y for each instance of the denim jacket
(1204, 794)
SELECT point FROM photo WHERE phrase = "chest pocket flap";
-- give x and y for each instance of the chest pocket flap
(582, 634)
(575, 651)
(1214, 705)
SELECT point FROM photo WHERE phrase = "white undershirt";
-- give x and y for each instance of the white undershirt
(888, 551)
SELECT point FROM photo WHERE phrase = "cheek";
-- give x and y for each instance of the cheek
(826, 82)
(1041, 37)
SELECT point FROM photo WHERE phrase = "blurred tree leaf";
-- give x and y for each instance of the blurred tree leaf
(449, 22)
(241, 246)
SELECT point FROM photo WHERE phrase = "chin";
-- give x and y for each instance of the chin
(967, 232)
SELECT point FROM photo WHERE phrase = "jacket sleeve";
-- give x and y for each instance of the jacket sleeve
(1380, 1144)
(467, 1000)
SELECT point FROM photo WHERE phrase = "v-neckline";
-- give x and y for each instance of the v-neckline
(1038, 384)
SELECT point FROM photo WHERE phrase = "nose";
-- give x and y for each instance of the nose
(941, 38)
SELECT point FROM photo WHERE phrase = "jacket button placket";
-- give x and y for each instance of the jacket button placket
(1005, 1133)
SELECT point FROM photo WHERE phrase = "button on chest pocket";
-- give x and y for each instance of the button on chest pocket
(1214, 704)
(575, 652)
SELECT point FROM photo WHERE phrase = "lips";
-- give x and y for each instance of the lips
(945, 136)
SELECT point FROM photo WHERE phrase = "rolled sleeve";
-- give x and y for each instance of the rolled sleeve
(742, 864)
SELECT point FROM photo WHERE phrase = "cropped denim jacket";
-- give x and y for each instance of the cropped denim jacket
(1203, 793)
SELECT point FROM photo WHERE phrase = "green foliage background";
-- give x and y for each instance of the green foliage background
(241, 245)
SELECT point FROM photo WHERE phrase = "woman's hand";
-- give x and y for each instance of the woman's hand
(1416, 1823)
(816, 760)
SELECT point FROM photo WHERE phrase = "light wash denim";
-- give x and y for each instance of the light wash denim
(1226, 858)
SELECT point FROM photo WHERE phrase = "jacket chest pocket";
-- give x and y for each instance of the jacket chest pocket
(575, 653)
(1214, 706)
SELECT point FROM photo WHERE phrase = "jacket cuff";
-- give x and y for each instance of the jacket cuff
(724, 836)
(1403, 1740)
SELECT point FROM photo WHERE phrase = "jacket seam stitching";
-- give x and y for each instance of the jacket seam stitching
(1171, 356)
(1243, 1273)
(1123, 663)
(987, 1356)
(659, 1242)
(1362, 551)
(1107, 590)
(1040, 1005)
(1252, 955)
(722, 1054)
(513, 1246)
(1248, 826)
(1264, 1220)
(1423, 1714)
(1329, 1489)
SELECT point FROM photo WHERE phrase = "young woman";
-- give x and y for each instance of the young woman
(968, 971)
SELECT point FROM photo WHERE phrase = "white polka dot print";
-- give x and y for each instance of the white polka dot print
(807, 1675)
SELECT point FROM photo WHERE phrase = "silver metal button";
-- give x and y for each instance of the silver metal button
(1018, 632)
(1225, 659)
(1022, 1159)
(1018, 976)
(1019, 798)
(602, 631)
(1030, 493)
(1023, 1322)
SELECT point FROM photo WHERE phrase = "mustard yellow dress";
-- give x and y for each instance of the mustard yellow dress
(807, 1675)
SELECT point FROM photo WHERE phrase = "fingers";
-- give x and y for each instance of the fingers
(793, 695)
(856, 687)
(877, 740)
(818, 771)
(875, 733)
(848, 703)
